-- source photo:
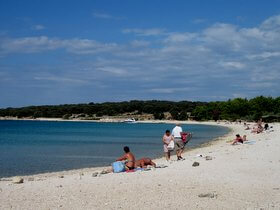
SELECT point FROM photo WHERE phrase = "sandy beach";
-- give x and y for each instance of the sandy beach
(238, 177)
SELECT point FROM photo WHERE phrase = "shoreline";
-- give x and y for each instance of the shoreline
(112, 120)
(209, 143)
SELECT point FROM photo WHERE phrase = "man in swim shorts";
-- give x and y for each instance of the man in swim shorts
(129, 158)
(176, 133)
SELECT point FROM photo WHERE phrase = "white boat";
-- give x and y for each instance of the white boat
(130, 120)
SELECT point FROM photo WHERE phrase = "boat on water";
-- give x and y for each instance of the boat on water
(130, 120)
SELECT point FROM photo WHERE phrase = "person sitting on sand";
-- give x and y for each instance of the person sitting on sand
(257, 129)
(266, 127)
(247, 126)
(238, 139)
(129, 158)
(144, 162)
(167, 138)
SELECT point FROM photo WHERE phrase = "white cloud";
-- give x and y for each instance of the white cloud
(38, 27)
(232, 64)
(43, 43)
(180, 37)
(199, 20)
(264, 55)
(113, 70)
(239, 95)
(144, 32)
(139, 43)
(168, 90)
(222, 35)
(61, 79)
(105, 16)
(271, 23)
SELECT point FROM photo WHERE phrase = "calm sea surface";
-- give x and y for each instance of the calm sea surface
(30, 147)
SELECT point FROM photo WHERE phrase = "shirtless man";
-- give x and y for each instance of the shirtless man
(144, 162)
(129, 159)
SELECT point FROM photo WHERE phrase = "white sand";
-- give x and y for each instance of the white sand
(239, 177)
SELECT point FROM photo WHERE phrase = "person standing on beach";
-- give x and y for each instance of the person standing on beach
(176, 133)
(167, 138)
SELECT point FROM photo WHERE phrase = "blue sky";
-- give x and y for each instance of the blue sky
(57, 51)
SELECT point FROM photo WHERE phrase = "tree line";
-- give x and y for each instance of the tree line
(240, 109)
(178, 110)
(236, 109)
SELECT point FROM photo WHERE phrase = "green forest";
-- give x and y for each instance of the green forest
(235, 109)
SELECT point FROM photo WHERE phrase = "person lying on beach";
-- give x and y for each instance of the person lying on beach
(128, 157)
(257, 129)
(239, 139)
(144, 162)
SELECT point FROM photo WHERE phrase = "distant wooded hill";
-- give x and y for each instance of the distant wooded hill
(235, 109)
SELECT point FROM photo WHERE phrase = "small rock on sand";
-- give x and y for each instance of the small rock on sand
(195, 164)
(207, 195)
(17, 180)
(95, 174)
(104, 172)
(208, 158)
(60, 176)
(30, 179)
(161, 166)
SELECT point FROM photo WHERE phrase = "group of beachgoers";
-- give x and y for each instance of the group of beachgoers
(257, 128)
(131, 163)
(175, 140)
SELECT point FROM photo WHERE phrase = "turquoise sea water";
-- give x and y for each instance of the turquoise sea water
(30, 147)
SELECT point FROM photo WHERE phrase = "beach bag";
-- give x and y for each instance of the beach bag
(186, 136)
(171, 146)
(118, 167)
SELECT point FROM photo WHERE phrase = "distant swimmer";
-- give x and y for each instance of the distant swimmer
(128, 157)
(144, 162)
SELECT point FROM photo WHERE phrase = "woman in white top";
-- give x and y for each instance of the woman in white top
(167, 138)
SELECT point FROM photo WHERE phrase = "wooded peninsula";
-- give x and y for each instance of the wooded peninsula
(253, 109)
